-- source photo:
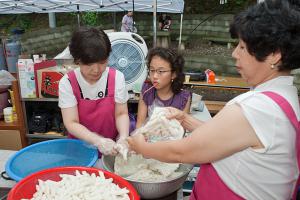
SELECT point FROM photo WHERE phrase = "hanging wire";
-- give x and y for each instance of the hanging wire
(215, 13)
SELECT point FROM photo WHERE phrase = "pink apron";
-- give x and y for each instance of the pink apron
(209, 186)
(97, 115)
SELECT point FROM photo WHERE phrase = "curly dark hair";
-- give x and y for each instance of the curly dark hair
(176, 62)
(89, 45)
(269, 27)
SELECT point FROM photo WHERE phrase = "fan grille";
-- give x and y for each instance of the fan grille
(128, 58)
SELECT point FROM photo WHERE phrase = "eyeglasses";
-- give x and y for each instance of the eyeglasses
(158, 71)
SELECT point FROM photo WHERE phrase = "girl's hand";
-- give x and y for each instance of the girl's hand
(136, 142)
(175, 113)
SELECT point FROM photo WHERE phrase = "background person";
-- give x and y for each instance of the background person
(127, 22)
(165, 68)
(164, 22)
(93, 97)
(248, 150)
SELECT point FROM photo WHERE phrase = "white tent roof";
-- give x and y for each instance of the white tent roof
(48, 6)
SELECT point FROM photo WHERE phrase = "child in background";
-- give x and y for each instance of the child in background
(165, 68)
(164, 22)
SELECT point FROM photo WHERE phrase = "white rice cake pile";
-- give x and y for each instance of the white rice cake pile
(81, 186)
(137, 168)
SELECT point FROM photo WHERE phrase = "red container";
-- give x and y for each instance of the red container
(27, 186)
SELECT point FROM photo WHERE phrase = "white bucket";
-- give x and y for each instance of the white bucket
(3, 98)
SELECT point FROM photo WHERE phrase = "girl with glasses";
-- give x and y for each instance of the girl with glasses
(165, 68)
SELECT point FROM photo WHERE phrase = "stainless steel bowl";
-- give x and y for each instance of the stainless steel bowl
(152, 190)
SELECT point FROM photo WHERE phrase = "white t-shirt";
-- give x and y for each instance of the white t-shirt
(267, 173)
(95, 91)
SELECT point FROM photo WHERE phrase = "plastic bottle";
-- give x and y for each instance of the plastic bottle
(15, 116)
(211, 77)
(8, 114)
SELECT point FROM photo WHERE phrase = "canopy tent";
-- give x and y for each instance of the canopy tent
(46, 6)
(55, 6)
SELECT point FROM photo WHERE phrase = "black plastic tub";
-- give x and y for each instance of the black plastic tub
(196, 76)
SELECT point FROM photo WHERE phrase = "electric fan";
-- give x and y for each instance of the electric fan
(129, 51)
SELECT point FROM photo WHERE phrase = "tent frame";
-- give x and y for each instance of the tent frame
(54, 6)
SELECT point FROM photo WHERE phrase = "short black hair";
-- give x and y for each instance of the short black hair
(89, 45)
(269, 27)
(176, 62)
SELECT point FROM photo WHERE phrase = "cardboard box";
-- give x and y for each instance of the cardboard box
(41, 65)
(26, 78)
(48, 81)
(10, 140)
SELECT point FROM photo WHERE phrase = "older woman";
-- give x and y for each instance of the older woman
(248, 150)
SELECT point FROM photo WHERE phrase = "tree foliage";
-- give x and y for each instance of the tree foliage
(90, 18)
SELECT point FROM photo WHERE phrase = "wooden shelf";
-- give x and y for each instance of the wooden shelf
(40, 99)
(131, 100)
(20, 124)
(9, 126)
(33, 136)
(214, 106)
(223, 82)
(45, 136)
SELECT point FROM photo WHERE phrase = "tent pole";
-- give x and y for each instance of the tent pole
(180, 33)
(115, 21)
(52, 21)
(154, 22)
(78, 19)
(78, 16)
(133, 25)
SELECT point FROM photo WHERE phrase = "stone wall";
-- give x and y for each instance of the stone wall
(220, 65)
(196, 28)
(48, 41)
(210, 25)
(53, 41)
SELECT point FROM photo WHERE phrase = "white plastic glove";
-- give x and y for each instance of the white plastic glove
(160, 128)
(106, 146)
(122, 147)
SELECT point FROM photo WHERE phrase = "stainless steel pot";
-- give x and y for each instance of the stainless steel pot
(152, 190)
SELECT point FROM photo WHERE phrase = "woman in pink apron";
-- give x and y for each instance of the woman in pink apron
(249, 149)
(93, 97)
